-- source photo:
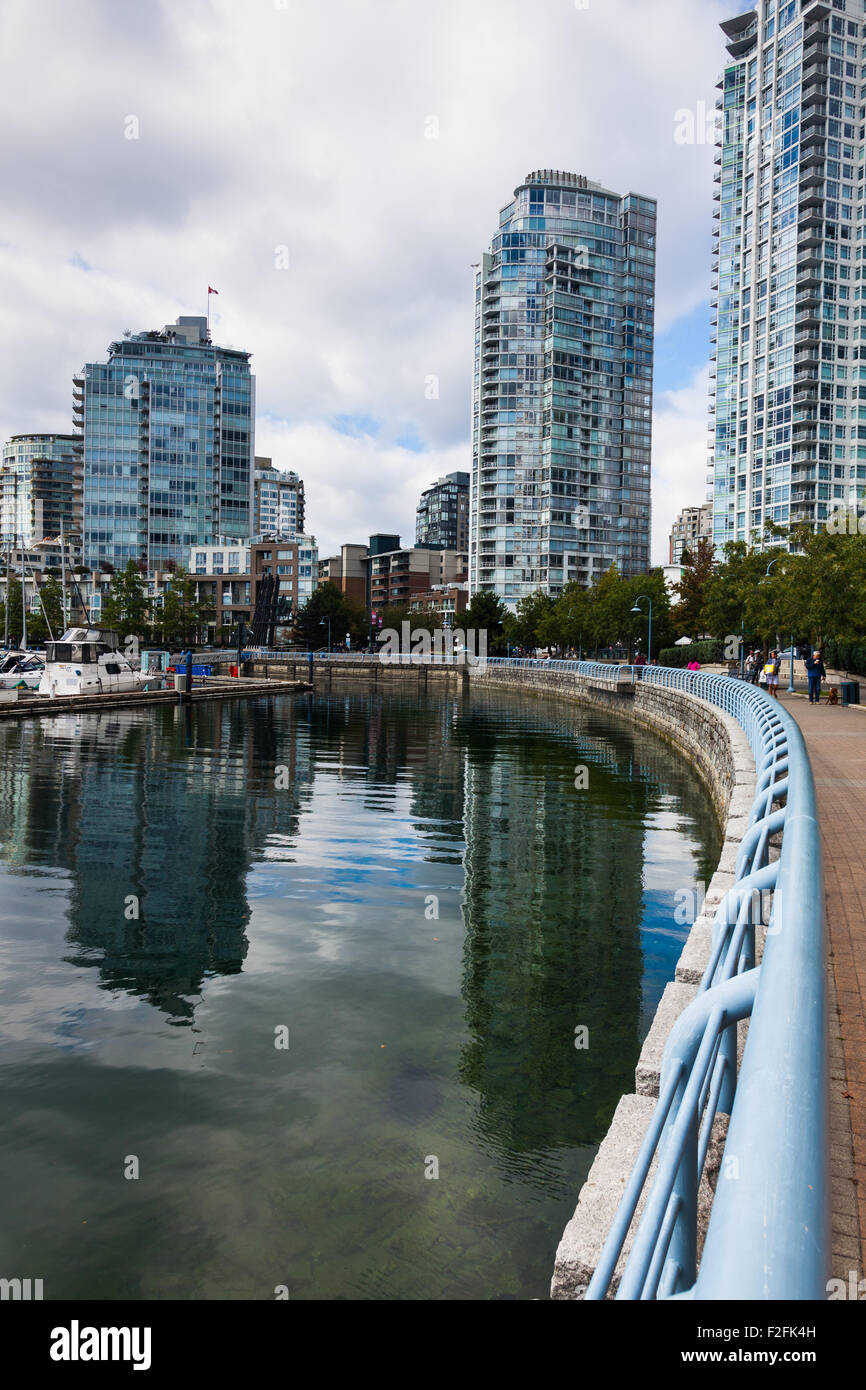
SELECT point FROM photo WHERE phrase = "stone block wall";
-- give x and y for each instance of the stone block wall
(718, 749)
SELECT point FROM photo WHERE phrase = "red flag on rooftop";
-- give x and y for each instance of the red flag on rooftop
(212, 291)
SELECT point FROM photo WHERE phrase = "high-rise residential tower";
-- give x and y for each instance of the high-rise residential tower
(278, 500)
(693, 525)
(166, 433)
(562, 392)
(785, 414)
(442, 515)
(40, 488)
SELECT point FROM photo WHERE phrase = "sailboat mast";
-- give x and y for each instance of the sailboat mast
(23, 601)
(62, 580)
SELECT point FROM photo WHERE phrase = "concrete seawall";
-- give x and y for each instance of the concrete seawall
(717, 747)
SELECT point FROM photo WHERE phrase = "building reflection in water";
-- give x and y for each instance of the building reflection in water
(156, 818)
(169, 809)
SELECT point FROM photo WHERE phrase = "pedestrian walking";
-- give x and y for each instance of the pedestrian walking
(771, 671)
(816, 673)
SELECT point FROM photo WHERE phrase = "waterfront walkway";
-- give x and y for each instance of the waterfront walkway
(836, 742)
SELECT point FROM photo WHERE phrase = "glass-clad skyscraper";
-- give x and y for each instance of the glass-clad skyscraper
(40, 488)
(442, 515)
(788, 430)
(166, 430)
(562, 392)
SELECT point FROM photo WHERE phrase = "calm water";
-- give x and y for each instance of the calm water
(286, 861)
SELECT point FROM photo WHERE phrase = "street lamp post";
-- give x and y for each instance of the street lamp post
(791, 688)
(322, 624)
(649, 640)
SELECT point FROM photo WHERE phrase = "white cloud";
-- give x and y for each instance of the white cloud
(304, 126)
(361, 485)
(679, 457)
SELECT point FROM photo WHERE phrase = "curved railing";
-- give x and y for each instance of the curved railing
(768, 1234)
(769, 1226)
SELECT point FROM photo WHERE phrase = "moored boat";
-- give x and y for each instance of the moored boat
(88, 661)
(21, 670)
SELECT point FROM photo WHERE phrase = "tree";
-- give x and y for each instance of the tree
(636, 629)
(522, 629)
(346, 615)
(395, 615)
(126, 608)
(356, 621)
(570, 623)
(13, 601)
(49, 619)
(691, 591)
(486, 613)
(736, 596)
(182, 615)
(612, 621)
(821, 593)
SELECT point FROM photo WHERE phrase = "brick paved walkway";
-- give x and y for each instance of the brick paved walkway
(836, 742)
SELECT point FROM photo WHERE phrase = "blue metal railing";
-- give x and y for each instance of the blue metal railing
(768, 1234)
(769, 1227)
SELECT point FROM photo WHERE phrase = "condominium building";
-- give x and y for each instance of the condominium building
(692, 525)
(278, 500)
(40, 488)
(348, 571)
(223, 557)
(166, 435)
(442, 515)
(562, 391)
(397, 577)
(788, 429)
(229, 579)
(448, 600)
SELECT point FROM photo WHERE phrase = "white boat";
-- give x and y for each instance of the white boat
(88, 661)
(21, 670)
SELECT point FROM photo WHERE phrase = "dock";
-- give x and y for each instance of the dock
(213, 688)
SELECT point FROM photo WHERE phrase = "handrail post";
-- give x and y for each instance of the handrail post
(683, 1246)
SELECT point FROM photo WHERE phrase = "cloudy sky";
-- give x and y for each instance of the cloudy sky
(334, 168)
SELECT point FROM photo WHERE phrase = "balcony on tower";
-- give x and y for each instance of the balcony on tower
(814, 10)
(742, 33)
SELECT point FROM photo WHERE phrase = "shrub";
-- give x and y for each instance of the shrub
(845, 656)
(710, 650)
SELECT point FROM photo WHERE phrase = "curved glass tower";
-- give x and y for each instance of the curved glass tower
(562, 390)
(787, 442)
